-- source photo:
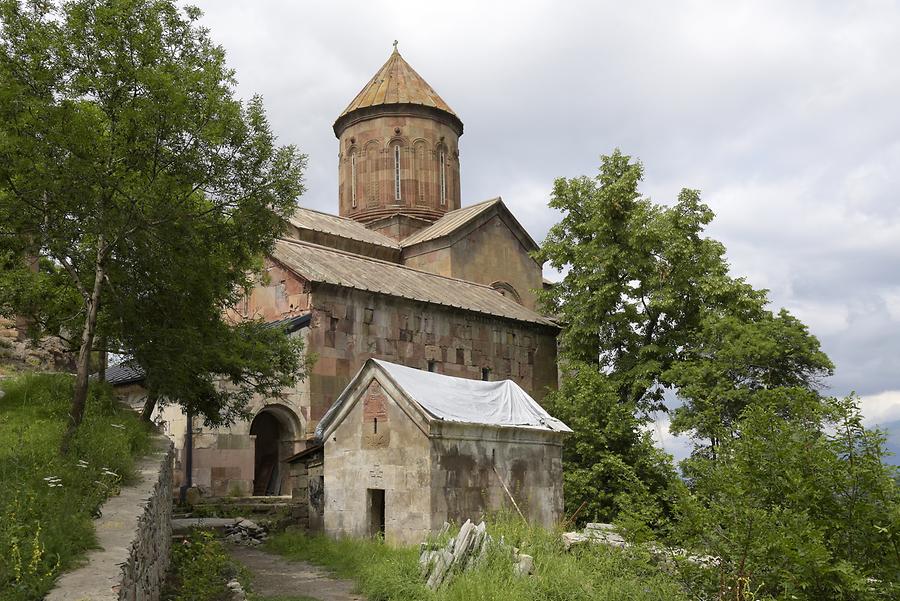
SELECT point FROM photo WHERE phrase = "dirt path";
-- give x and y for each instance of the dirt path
(275, 576)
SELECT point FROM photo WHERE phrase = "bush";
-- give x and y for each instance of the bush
(49, 500)
(200, 570)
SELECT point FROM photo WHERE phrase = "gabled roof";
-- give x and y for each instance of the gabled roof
(450, 399)
(125, 373)
(397, 83)
(457, 220)
(339, 226)
(325, 265)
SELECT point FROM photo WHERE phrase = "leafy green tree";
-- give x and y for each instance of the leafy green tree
(640, 277)
(796, 507)
(734, 363)
(129, 166)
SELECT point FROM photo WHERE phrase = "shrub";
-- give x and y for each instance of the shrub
(200, 569)
(49, 500)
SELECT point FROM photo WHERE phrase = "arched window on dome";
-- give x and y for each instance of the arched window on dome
(397, 172)
(442, 159)
(353, 178)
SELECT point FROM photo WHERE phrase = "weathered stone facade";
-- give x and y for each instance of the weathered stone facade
(349, 327)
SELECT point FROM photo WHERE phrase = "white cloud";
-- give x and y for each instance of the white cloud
(679, 446)
(881, 408)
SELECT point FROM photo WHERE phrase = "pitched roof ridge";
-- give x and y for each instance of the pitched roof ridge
(384, 240)
(422, 235)
(327, 214)
(398, 265)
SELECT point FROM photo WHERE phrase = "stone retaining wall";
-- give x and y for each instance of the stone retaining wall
(134, 535)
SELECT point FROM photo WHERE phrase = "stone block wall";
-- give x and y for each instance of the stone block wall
(350, 326)
(134, 535)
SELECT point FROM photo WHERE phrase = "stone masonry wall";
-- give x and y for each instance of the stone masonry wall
(134, 535)
(350, 326)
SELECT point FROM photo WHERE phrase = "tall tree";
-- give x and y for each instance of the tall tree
(649, 309)
(639, 279)
(120, 134)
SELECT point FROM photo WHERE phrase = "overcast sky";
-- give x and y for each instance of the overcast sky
(785, 114)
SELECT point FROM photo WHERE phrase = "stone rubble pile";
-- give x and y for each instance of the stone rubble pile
(605, 534)
(237, 592)
(596, 533)
(461, 552)
(245, 532)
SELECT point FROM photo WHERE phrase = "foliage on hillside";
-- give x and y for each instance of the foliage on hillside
(784, 485)
(385, 573)
(148, 190)
(48, 501)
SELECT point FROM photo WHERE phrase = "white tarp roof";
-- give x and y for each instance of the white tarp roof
(502, 403)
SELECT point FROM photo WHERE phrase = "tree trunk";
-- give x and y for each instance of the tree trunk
(149, 405)
(83, 365)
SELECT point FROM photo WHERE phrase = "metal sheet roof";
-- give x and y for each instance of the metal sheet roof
(325, 265)
(124, 373)
(397, 83)
(449, 223)
(340, 226)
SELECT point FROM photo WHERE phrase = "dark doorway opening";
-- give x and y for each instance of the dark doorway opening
(375, 503)
(267, 474)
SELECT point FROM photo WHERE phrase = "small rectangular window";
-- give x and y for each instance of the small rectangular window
(486, 373)
(431, 365)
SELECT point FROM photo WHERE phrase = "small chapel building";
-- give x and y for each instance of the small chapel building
(406, 450)
(402, 274)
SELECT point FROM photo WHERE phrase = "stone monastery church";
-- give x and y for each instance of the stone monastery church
(404, 274)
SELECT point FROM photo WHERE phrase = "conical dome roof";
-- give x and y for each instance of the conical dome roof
(396, 83)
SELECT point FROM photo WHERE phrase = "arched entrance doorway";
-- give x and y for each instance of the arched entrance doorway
(275, 433)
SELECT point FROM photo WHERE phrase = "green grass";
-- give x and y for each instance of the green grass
(201, 568)
(384, 573)
(47, 501)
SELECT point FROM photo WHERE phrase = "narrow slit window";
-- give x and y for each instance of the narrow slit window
(353, 179)
(486, 373)
(375, 420)
(443, 179)
(397, 172)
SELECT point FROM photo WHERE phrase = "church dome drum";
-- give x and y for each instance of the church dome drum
(399, 149)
